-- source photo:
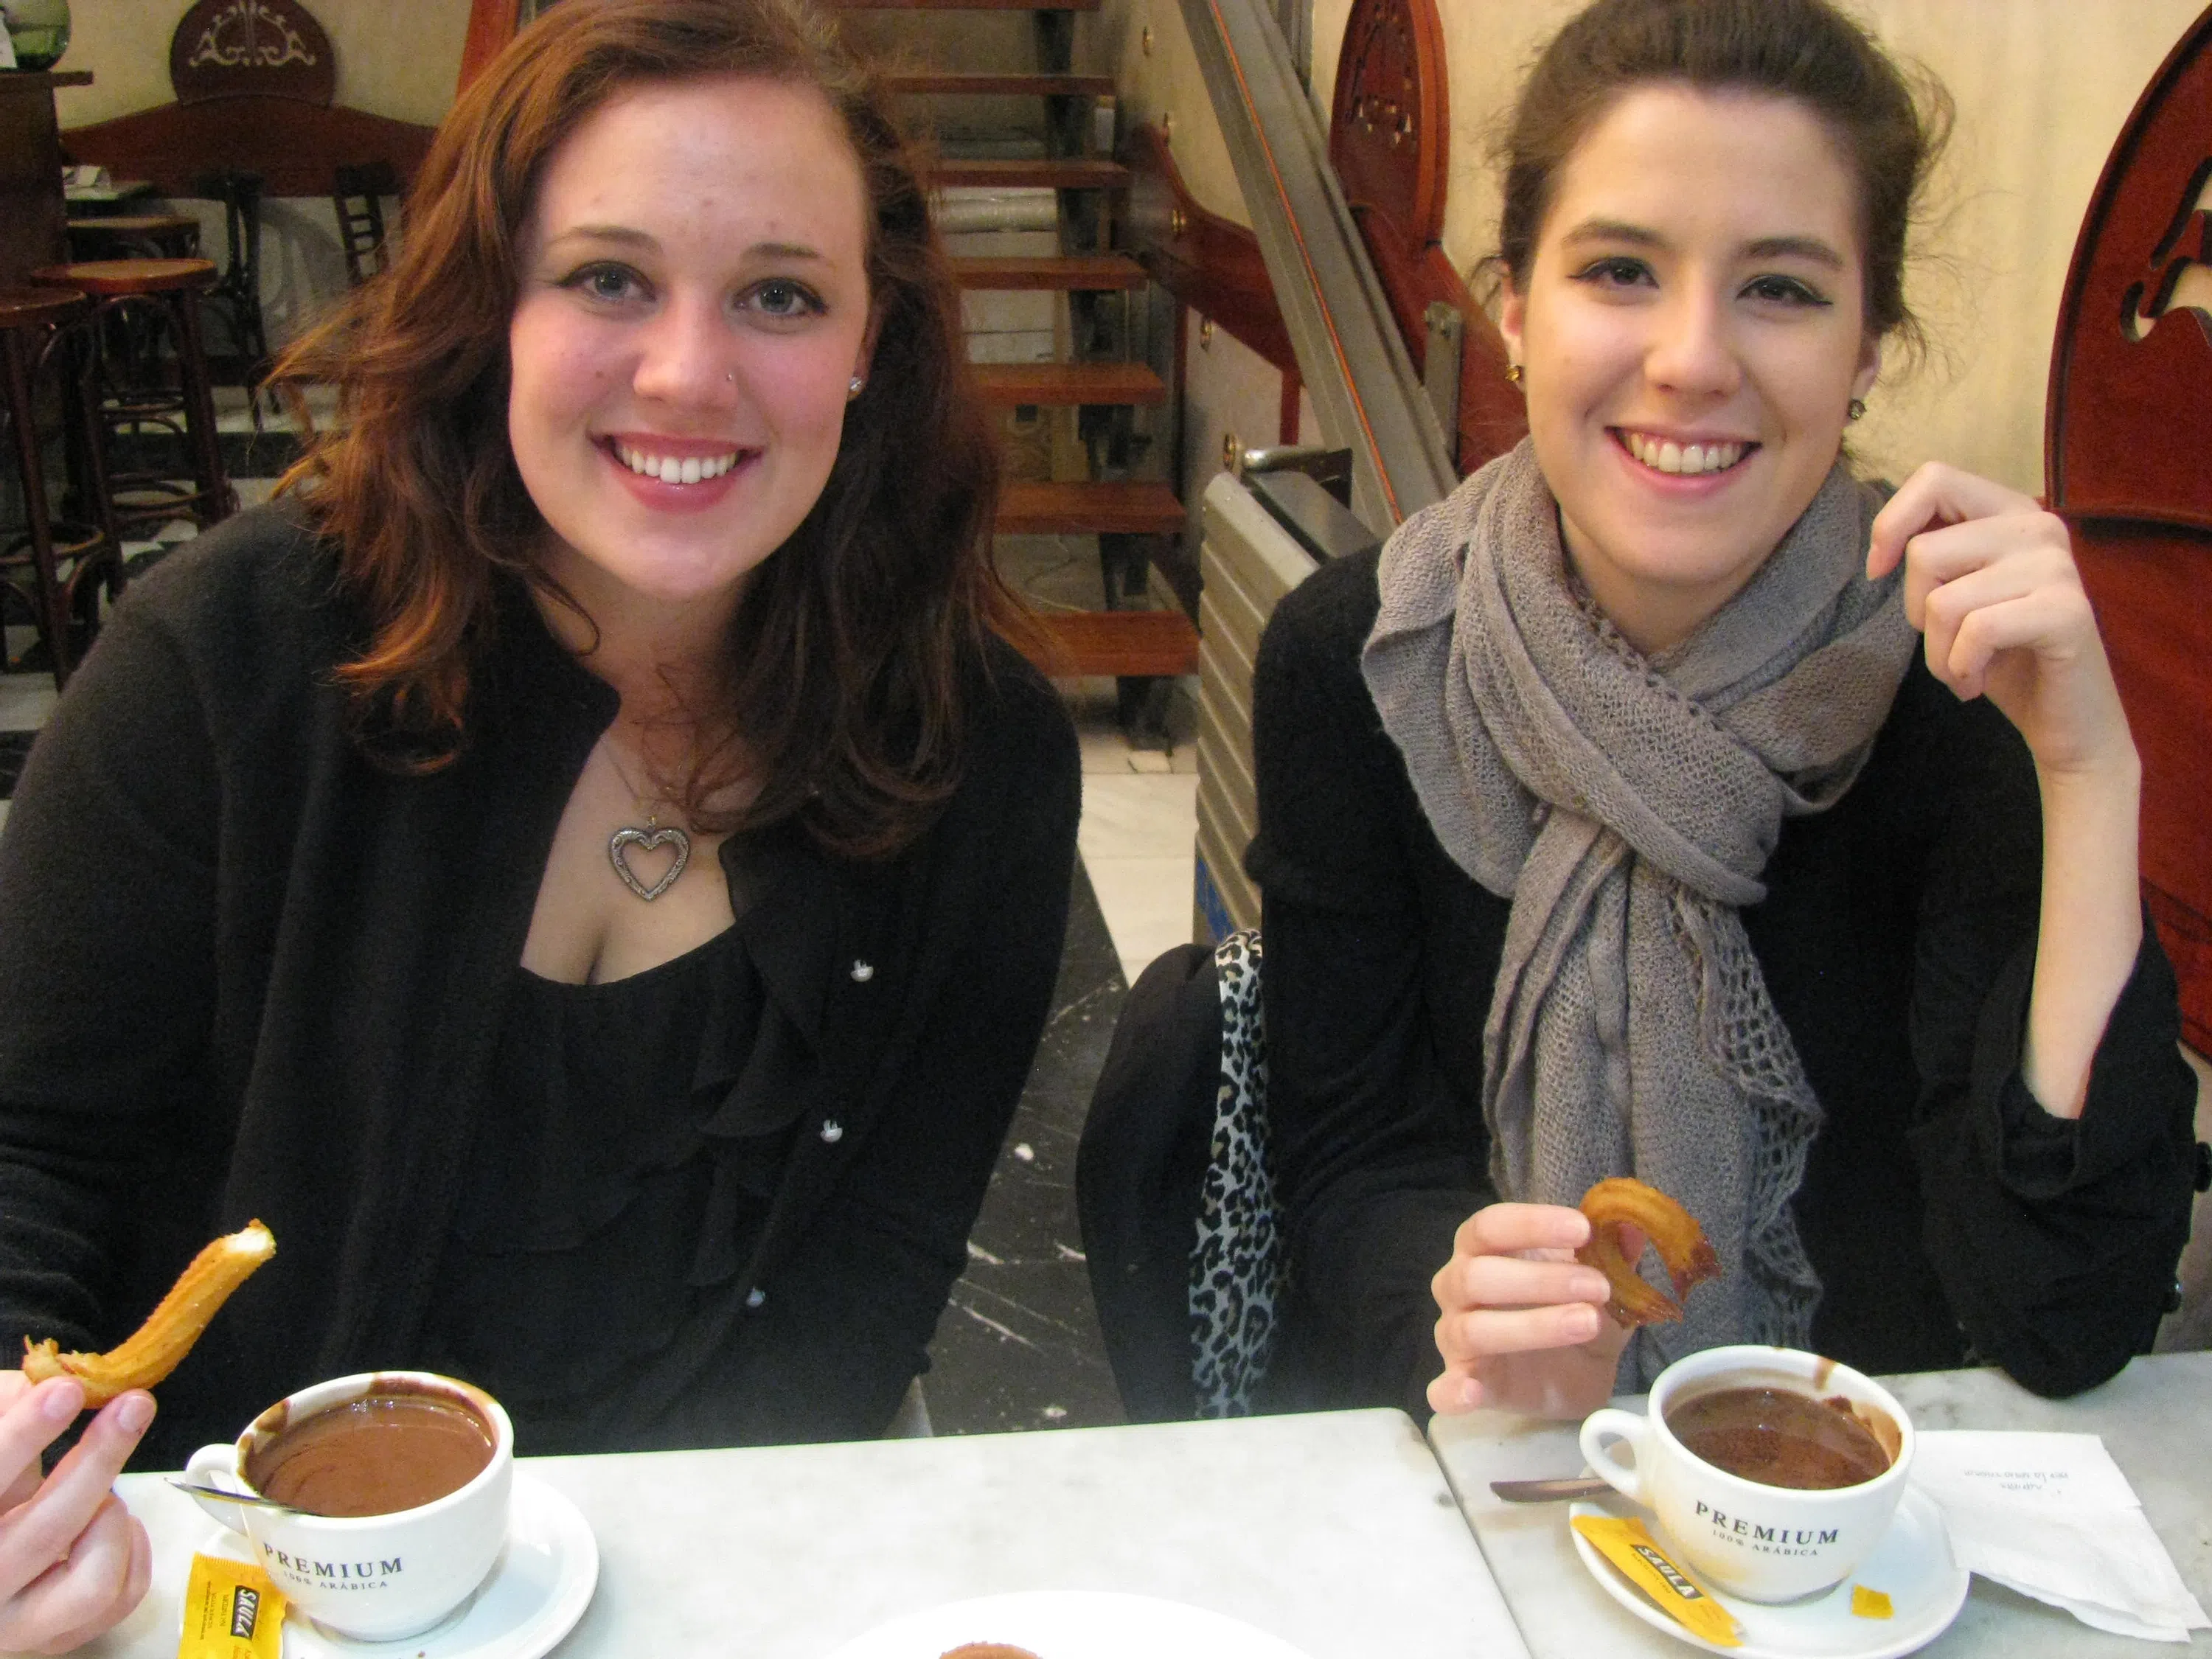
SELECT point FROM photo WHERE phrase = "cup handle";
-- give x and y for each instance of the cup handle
(1602, 1430)
(216, 1465)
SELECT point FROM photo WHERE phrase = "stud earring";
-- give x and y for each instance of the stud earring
(732, 377)
(1854, 409)
(1513, 374)
(853, 386)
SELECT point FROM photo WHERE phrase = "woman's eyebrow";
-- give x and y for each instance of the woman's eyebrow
(622, 234)
(1614, 230)
(1800, 247)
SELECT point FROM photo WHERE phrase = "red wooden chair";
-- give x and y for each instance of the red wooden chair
(2130, 469)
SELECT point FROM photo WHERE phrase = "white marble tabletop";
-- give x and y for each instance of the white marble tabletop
(1335, 1532)
(2155, 1417)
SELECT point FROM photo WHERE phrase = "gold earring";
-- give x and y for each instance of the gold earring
(853, 386)
(1513, 374)
(1854, 409)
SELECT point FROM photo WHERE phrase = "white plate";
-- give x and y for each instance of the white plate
(1912, 1565)
(538, 1588)
(1071, 1625)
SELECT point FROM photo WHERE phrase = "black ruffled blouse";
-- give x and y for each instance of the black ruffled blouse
(634, 1135)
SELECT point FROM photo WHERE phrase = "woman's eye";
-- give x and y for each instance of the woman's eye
(1784, 290)
(610, 283)
(1619, 271)
(781, 298)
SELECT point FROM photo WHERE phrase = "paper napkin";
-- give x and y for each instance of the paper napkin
(2051, 1516)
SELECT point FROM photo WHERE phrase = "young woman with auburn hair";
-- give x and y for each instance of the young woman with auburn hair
(585, 866)
(1668, 802)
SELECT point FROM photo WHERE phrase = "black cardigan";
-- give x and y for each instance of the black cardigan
(1948, 1216)
(247, 973)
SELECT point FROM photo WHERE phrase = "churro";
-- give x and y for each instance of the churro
(1672, 1231)
(156, 1347)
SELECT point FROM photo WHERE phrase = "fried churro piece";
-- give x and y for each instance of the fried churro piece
(156, 1347)
(1674, 1232)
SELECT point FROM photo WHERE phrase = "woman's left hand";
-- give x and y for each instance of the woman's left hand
(1989, 580)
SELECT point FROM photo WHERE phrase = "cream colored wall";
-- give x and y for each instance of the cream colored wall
(388, 68)
(2042, 88)
(1162, 81)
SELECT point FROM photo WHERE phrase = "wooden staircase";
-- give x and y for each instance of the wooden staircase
(1137, 519)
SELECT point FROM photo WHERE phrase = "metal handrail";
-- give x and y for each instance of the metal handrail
(1350, 355)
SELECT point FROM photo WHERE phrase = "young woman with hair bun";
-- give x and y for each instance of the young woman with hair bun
(585, 867)
(1669, 801)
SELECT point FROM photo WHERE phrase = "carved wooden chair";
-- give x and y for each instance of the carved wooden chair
(2126, 465)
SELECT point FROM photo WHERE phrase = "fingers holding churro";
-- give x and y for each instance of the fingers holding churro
(158, 1346)
(1625, 1201)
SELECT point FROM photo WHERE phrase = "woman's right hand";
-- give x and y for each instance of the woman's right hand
(1521, 1323)
(73, 1560)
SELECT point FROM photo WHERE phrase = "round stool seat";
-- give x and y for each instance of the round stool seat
(24, 308)
(112, 278)
(135, 224)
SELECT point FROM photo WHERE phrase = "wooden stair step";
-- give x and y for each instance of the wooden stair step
(1002, 85)
(1007, 386)
(1122, 507)
(1087, 273)
(1116, 642)
(1050, 172)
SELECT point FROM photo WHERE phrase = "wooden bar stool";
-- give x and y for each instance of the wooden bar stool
(164, 295)
(135, 236)
(46, 334)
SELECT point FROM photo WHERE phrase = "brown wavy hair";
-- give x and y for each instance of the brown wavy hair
(851, 657)
(1889, 122)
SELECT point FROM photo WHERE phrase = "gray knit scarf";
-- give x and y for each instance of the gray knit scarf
(1627, 808)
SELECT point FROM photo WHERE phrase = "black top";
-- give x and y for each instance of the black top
(1948, 1216)
(248, 975)
(633, 1133)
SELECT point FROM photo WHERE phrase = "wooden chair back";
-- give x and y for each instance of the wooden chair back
(2127, 465)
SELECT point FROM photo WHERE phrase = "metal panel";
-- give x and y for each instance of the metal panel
(1250, 561)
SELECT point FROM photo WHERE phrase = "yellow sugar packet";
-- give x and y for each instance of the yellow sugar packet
(1631, 1548)
(231, 1611)
(1870, 1603)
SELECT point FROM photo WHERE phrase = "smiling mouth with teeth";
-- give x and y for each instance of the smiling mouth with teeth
(668, 469)
(1665, 455)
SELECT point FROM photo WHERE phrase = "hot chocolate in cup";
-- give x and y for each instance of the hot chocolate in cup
(401, 1480)
(1804, 1462)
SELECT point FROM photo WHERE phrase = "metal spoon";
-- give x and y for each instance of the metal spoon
(1551, 1492)
(225, 1495)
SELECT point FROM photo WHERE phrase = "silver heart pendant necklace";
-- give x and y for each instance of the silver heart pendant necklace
(654, 836)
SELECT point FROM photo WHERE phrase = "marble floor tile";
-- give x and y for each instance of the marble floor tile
(1135, 815)
(26, 700)
(1017, 1346)
(1147, 905)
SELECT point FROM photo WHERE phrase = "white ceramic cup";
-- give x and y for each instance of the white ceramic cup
(373, 1577)
(1763, 1543)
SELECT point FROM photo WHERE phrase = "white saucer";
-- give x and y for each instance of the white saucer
(538, 1588)
(1072, 1625)
(1912, 1566)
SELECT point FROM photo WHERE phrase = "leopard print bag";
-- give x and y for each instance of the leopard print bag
(1236, 1267)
